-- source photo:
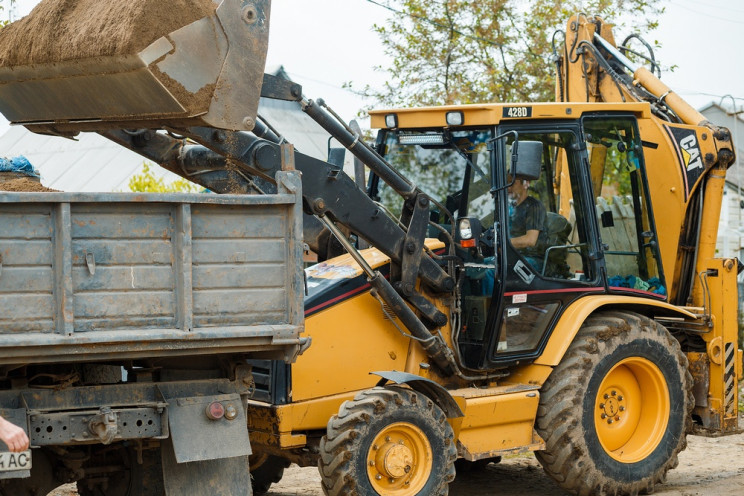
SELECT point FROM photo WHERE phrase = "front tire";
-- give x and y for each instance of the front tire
(391, 441)
(265, 471)
(615, 412)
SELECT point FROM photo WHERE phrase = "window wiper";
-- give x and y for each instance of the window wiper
(467, 159)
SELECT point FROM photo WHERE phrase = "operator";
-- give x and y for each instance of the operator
(13, 436)
(527, 217)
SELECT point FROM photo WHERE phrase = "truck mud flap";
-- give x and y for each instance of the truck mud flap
(229, 476)
(207, 455)
(196, 437)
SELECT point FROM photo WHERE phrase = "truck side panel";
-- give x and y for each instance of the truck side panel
(109, 276)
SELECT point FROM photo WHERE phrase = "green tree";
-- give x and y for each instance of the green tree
(146, 182)
(461, 51)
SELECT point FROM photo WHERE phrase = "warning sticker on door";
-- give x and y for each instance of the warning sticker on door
(519, 298)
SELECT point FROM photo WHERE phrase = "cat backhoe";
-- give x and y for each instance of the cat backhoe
(446, 343)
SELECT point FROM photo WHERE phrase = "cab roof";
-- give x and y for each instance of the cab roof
(495, 113)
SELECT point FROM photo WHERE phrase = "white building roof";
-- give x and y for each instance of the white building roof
(93, 163)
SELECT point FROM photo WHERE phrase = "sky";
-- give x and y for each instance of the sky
(325, 43)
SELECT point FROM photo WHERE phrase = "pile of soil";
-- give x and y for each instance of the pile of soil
(63, 30)
(16, 182)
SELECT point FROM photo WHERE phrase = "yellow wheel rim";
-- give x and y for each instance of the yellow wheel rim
(399, 461)
(631, 412)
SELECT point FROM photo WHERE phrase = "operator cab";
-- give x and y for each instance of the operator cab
(586, 192)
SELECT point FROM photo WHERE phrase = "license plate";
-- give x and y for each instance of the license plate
(15, 461)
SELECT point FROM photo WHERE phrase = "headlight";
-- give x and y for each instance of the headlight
(466, 232)
(391, 120)
(454, 118)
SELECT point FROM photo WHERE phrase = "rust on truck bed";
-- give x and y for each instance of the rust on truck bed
(122, 276)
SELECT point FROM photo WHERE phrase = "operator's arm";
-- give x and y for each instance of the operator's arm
(526, 240)
(13, 436)
(534, 223)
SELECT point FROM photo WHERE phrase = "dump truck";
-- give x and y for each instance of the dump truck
(591, 324)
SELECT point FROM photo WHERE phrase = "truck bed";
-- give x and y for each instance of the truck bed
(117, 275)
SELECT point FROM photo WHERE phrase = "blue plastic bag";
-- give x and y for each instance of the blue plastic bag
(18, 164)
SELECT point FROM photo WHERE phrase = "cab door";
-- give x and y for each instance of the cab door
(532, 284)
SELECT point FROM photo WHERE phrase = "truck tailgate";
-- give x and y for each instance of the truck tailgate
(113, 275)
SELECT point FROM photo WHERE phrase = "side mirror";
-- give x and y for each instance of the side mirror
(527, 159)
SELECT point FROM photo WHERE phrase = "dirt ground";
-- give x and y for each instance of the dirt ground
(709, 466)
(706, 467)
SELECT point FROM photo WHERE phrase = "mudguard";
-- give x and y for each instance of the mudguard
(437, 393)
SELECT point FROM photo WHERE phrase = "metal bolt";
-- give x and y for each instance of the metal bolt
(371, 463)
(378, 477)
(249, 14)
(606, 396)
(391, 480)
(601, 405)
(617, 418)
(609, 421)
(401, 442)
(603, 416)
(620, 398)
(614, 393)
(375, 447)
(622, 408)
(249, 123)
(387, 439)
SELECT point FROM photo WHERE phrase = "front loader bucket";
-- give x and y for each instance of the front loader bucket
(89, 65)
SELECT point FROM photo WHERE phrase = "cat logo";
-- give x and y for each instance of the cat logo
(687, 148)
(691, 152)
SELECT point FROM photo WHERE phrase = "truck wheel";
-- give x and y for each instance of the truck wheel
(133, 479)
(391, 441)
(615, 412)
(265, 471)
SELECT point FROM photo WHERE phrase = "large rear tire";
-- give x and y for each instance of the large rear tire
(615, 412)
(391, 441)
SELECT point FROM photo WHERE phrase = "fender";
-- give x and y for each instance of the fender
(575, 315)
(427, 387)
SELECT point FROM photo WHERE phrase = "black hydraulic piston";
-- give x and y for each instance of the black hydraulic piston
(353, 143)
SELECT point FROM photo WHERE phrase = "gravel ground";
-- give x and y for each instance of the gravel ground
(709, 466)
(706, 467)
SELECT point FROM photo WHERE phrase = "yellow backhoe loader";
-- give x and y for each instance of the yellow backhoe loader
(599, 345)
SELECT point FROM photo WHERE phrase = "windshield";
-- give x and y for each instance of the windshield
(452, 168)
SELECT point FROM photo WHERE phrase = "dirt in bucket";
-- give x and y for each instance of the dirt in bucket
(63, 30)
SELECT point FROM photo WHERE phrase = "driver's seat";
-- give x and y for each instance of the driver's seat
(558, 235)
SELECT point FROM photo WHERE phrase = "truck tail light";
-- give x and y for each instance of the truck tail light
(215, 410)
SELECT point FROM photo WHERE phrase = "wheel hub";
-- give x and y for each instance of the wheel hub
(399, 460)
(394, 460)
(612, 406)
(632, 409)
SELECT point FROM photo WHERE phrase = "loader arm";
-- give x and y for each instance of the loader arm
(202, 79)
